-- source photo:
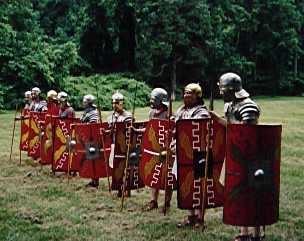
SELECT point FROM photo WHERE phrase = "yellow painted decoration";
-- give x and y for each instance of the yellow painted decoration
(150, 166)
(152, 138)
(186, 186)
(58, 153)
(24, 137)
(118, 173)
(60, 135)
(33, 141)
(185, 145)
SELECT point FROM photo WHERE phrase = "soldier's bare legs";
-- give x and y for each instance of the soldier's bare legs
(249, 234)
(154, 193)
(189, 221)
(153, 203)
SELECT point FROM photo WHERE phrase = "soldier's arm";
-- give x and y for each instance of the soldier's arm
(249, 113)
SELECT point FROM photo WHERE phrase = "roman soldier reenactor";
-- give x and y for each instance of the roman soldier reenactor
(119, 114)
(37, 104)
(159, 110)
(90, 115)
(239, 109)
(66, 110)
(27, 100)
(52, 103)
(193, 108)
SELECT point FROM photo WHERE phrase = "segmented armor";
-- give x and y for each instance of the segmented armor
(67, 112)
(38, 106)
(157, 114)
(124, 116)
(90, 115)
(195, 112)
(242, 111)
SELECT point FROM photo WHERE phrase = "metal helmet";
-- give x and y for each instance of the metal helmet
(159, 96)
(194, 88)
(117, 97)
(89, 99)
(232, 82)
(52, 94)
(62, 96)
(36, 90)
(27, 94)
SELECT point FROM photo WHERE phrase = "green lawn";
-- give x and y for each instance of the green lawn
(35, 205)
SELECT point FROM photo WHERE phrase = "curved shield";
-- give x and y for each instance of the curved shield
(24, 130)
(46, 150)
(252, 179)
(53, 109)
(152, 166)
(191, 152)
(121, 138)
(63, 145)
(35, 133)
(89, 152)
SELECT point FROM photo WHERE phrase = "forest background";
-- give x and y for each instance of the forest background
(80, 46)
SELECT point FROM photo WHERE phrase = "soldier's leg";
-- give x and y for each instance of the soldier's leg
(189, 221)
(153, 203)
(244, 235)
(256, 234)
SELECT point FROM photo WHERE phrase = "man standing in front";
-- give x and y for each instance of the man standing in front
(193, 108)
(238, 109)
(90, 115)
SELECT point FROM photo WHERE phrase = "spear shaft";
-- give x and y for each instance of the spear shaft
(128, 151)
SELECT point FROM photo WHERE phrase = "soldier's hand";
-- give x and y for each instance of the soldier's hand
(173, 146)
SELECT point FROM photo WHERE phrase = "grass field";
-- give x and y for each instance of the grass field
(35, 205)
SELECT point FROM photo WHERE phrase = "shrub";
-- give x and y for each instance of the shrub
(106, 85)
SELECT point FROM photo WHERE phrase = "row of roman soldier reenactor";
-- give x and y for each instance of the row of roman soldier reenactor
(212, 161)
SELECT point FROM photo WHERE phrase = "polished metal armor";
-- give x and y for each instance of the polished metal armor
(195, 112)
(159, 96)
(242, 111)
(90, 115)
(124, 116)
(38, 106)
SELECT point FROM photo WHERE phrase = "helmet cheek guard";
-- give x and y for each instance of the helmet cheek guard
(159, 96)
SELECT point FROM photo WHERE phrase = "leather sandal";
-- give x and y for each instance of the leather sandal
(199, 223)
(151, 206)
(188, 222)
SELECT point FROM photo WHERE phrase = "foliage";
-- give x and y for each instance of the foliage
(166, 43)
(105, 86)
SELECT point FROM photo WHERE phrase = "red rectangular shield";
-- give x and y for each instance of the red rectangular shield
(121, 136)
(47, 140)
(252, 175)
(62, 142)
(24, 130)
(152, 165)
(89, 151)
(34, 138)
(191, 159)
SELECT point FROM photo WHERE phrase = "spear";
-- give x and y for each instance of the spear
(208, 153)
(106, 160)
(128, 151)
(12, 142)
(168, 139)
